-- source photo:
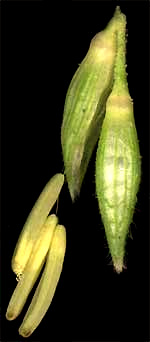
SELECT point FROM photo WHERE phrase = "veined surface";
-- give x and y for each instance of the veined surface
(117, 179)
(85, 105)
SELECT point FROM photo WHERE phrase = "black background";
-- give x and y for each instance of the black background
(43, 43)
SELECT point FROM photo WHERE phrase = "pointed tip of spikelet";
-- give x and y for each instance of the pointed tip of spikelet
(117, 10)
(118, 266)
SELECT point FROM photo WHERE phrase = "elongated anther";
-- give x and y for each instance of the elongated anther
(34, 223)
(48, 283)
(32, 268)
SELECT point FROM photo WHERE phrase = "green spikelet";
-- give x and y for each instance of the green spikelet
(118, 165)
(85, 106)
